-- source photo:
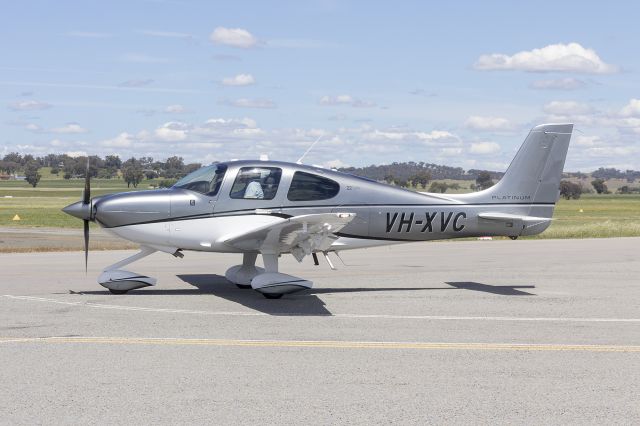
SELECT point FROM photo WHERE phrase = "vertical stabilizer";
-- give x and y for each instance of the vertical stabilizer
(535, 173)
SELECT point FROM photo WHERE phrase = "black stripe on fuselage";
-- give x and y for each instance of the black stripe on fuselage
(367, 237)
(249, 212)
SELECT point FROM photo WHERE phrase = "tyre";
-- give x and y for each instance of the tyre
(272, 295)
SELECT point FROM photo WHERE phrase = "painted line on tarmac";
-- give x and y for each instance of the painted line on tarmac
(328, 344)
(329, 315)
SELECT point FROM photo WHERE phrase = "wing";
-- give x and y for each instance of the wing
(300, 235)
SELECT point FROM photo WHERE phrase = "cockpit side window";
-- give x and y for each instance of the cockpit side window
(256, 183)
(206, 180)
(310, 187)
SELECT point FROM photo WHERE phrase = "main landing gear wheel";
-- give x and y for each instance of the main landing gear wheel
(112, 291)
(272, 295)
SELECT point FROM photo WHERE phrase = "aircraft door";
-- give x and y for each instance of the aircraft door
(252, 188)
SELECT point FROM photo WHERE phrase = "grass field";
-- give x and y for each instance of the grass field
(596, 216)
(592, 216)
(41, 206)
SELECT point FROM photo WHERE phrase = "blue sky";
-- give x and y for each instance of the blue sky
(457, 83)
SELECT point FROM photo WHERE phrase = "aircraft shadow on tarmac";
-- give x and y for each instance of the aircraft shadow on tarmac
(306, 303)
(504, 290)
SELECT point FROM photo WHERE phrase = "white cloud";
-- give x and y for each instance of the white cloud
(450, 152)
(484, 148)
(250, 103)
(585, 141)
(241, 137)
(401, 136)
(568, 83)
(610, 139)
(345, 100)
(123, 140)
(67, 129)
(172, 131)
(232, 123)
(175, 109)
(239, 80)
(33, 127)
(234, 37)
(336, 100)
(486, 123)
(28, 105)
(70, 128)
(606, 149)
(567, 108)
(335, 164)
(76, 154)
(559, 57)
(436, 135)
(176, 135)
(612, 151)
(632, 109)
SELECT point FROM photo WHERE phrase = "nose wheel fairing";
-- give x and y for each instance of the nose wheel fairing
(121, 280)
(271, 283)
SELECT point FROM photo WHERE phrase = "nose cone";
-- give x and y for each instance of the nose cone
(79, 210)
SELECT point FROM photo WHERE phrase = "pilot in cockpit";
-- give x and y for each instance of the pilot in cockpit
(254, 190)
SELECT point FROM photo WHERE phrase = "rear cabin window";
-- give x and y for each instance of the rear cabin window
(310, 187)
(256, 183)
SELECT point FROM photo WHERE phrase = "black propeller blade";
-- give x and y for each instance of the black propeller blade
(86, 245)
(86, 200)
(86, 195)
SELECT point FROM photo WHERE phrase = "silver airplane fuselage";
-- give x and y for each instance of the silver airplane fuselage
(185, 219)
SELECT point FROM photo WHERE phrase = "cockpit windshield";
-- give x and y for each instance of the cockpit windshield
(206, 180)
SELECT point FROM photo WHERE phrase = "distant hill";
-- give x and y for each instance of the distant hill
(403, 171)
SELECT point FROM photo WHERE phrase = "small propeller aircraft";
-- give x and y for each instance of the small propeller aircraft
(273, 208)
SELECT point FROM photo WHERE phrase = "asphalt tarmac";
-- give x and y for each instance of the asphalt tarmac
(480, 332)
(27, 239)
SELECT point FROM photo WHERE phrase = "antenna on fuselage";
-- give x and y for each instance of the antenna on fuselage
(308, 149)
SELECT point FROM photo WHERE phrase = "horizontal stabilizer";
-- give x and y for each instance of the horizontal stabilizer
(525, 221)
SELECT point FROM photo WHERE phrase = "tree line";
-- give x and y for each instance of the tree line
(572, 190)
(132, 170)
(407, 171)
